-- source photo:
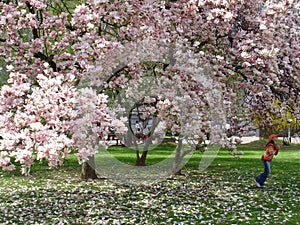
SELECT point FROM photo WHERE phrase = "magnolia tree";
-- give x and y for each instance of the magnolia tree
(176, 102)
(72, 62)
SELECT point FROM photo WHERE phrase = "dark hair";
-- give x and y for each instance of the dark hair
(271, 142)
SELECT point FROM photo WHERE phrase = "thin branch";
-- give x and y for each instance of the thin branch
(48, 59)
(65, 5)
(116, 72)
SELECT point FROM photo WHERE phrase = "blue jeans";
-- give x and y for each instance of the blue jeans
(261, 179)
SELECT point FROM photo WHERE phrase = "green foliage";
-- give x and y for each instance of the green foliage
(3, 73)
(57, 7)
(281, 123)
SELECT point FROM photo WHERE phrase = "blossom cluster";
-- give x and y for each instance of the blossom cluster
(35, 119)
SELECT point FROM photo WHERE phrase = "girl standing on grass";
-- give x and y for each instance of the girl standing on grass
(271, 149)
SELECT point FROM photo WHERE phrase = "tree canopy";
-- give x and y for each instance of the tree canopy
(211, 60)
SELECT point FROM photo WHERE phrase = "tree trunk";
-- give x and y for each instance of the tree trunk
(141, 161)
(177, 160)
(145, 151)
(179, 156)
(88, 169)
(128, 139)
(137, 152)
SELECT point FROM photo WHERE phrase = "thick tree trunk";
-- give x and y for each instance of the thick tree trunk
(141, 161)
(88, 169)
(177, 160)
(128, 139)
(179, 156)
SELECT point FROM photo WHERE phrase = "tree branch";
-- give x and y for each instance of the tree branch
(186, 152)
(31, 10)
(48, 59)
(116, 72)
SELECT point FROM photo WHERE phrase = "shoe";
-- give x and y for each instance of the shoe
(257, 184)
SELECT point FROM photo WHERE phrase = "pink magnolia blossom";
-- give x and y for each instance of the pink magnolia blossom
(239, 55)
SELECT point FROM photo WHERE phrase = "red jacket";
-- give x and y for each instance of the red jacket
(270, 150)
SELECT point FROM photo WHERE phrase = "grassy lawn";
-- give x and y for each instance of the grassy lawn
(224, 193)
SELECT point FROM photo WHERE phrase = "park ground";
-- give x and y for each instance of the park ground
(224, 193)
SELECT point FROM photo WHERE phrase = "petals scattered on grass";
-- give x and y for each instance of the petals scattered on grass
(202, 198)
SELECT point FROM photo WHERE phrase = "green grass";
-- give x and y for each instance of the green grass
(224, 193)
